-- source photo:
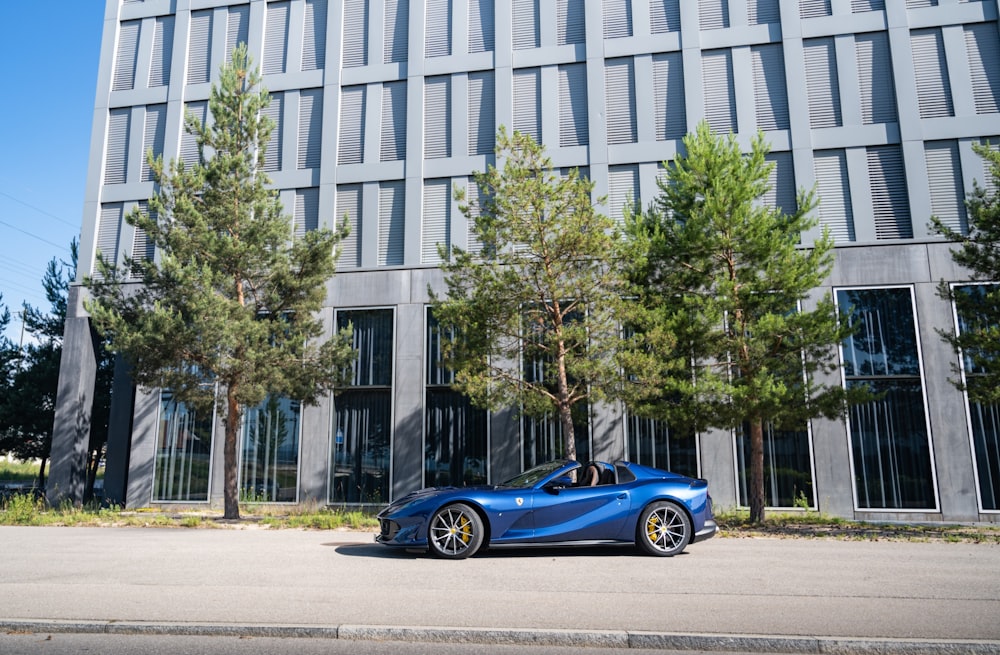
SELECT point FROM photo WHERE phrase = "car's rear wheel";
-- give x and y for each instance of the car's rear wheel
(456, 532)
(664, 529)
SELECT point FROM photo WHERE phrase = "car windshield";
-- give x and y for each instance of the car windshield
(531, 477)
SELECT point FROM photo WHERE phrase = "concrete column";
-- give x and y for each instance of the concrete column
(119, 434)
(74, 406)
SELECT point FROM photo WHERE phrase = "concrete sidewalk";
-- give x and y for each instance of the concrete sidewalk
(761, 595)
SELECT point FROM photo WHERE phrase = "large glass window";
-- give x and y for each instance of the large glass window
(890, 444)
(788, 479)
(183, 453)
(984, 418)
(363, 412)
(455, 432)
(269, 467)
(652, 443)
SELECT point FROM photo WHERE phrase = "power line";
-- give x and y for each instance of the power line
(64, 248)
(39, 210)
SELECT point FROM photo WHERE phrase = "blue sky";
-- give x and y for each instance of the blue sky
(50, 52)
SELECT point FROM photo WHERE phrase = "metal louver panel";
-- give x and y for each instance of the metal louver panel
(276, 37)
(108, 227)
(314, 36)
(919, 4)
(861, 6)
(834, 191)
(482, 113)
(153, 135)
(617, 18)
(717, 83)
(878, 95)
(665, 16)
(668, 88)
(623, 187)
(189, 141)
(436, 226)
(116, 159)
(713, 14)
(769, 88)
(982, 44)
(306, 217)
(125, 58)
(474, 197)
(620, 100)
(237, 29)
(393, 145)
(527, 103)
(890, 201)
(931, 70)
(573, 127)
(571, 24)
(481, 26)
(396, 33)
(781, 180)
(763, 12)
(143, 248)
(814, 8)
(437, 117)
(438, 29)
(310, 128)
(391, 208)
(526, 33)
(355, 33)
(944, 177)
(199, 46)
(351, 146)
(163, 48)
(822, 85)
(987, 181)
(272, 156)
(349, 205)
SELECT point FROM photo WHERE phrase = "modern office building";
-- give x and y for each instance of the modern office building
(384, 106)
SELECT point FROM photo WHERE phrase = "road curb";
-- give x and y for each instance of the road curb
(719, 643)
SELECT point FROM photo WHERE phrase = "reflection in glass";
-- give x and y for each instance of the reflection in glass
(788, 480)
(652, 443)
(270, 451)
(544, 441)
(985, 417)
(889, 440)
(183, 453)
(455, 446)
(362, 436)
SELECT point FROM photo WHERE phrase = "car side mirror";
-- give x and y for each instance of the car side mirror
(559, 483)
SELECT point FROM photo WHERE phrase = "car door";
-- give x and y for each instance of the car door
(579, 513)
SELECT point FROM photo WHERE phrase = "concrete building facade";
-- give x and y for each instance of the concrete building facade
(384, 106)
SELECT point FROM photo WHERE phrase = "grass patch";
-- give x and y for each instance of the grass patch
(815, 525)
(18, 472)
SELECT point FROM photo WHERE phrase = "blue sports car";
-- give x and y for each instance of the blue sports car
(557, 503)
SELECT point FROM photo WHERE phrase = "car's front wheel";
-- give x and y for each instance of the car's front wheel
(456, 532)
(664, 529)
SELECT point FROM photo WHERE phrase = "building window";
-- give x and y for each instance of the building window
(437, 117)
(668, 91)
(832, 185)
(617, 18)
(362, 438)
(391, 222)
(306, 215)
(438, 28)
(237, 29)
(651, 442)
(781, 191)
(571, 22)
(200, 47)
(349, 205)
(481, 26)
(482, 119)
(573, 124)
(984, 419)
(310, 128)
(163, 49)
(528, 103)
(822, 83)
(878, 92)
(396, 31)
(982, 43)
(314, 36)
(769, 89)
(788, 477)
(620, 100)
(269, 454)
(719, 92)
(355, 33)
(153, 135)
(275, 111)
(931, 70)
(182, 467)
(126, 55)
(455, 441)
(116, 158)
(713, 14)
(525, 28)
(944, 180)
(890, 441)
(351, 149)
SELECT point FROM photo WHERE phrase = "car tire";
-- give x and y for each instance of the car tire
(455, 532)
(664, 529)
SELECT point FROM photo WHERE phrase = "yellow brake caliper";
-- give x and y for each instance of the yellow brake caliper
(463, 527)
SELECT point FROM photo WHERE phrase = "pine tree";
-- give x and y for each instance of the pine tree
(541, 289)
(721, 338)
(228, 312)
(978, 303)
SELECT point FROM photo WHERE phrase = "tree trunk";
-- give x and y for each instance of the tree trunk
(41, 473)
(230, 488)
(756, 481)
(569, 437)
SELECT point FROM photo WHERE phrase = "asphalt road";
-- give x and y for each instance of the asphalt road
(340, 584)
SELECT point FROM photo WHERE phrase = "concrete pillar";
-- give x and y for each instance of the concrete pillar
(119, 434)
(74, 405)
